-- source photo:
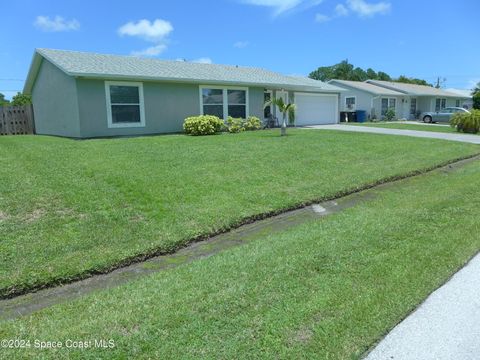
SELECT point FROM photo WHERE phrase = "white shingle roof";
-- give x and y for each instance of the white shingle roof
(370, 88)
(130, 67)
(412, 89)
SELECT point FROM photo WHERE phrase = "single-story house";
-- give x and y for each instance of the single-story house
(83, 95)
(467, 94)
(368, 97)
(408, 100)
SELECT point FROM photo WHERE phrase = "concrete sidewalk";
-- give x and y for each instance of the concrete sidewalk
(466, 138)
(445, 327)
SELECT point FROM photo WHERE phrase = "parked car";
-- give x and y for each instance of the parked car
(443, 115)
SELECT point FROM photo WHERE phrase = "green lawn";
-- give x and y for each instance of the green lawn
(427, 127)
(69, 208)
(327, 289)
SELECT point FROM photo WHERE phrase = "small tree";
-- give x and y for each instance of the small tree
(3, 101)
(286, 110)
(21, 99)
(476, 96)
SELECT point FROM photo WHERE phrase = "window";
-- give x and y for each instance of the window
(224, 102)
(237, 103)
(124, 104)
(267, 111)
(413, 107)
(388, 104)
(457, 103)
(350, 103)
(212, 100)
(440, 104)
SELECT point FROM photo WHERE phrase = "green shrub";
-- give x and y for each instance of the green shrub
(252, 123)
(235, 125)
(390, 115)
(203, 125)
(466, 122)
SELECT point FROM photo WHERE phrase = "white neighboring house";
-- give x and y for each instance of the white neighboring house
(408, 100)
(421, 98)
(468, 102)
(375, 100)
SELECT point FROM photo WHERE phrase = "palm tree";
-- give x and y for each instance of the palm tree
(285, 109)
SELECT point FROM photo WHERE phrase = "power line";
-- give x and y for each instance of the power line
(12, 79)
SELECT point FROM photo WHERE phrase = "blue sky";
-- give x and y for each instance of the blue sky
(423, 38)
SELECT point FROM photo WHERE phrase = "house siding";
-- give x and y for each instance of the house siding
(166, 107)
(55, 106)
(255, 101)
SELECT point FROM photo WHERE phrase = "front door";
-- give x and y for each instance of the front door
(413, 108)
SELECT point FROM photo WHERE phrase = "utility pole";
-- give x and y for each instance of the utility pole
(440, 82)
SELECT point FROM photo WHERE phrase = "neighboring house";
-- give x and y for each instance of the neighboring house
(82, 95)
(408, 100)
(421, 98)
(467, 94)
(375, 100)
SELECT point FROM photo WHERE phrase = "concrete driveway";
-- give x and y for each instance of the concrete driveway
(445, 327)
(466, 138)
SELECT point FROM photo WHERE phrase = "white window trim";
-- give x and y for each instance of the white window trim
(440, 107)
(111, 124)
(225, 98)
(355, 104)
(388, 105)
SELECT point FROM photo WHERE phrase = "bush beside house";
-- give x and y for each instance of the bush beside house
(466, 122)
(203, 125)
(209, 124)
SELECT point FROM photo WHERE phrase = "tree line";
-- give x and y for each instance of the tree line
(17, 100)
(346, 71)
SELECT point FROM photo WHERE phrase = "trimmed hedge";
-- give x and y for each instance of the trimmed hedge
(203, 125)
(209, 125)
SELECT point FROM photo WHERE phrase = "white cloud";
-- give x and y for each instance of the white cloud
(364, 9)
(282, 6)
(151, 51)
(320, 18)
(151, 31)
(203, 60)
(341, 10)
(56, 24)
(156, 31)
(241, 44)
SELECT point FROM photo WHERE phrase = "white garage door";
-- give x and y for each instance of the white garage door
(316, 109)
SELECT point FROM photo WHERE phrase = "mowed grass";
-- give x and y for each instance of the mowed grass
(427, 127)
(327, 289)
(72, 207)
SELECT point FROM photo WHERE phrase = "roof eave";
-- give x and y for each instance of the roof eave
(291, 87)
(365, 90)
(32, 73)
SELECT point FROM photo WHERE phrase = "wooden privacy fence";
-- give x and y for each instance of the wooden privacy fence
(16, 120)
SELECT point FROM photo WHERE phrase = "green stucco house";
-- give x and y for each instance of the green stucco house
(85, 95)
